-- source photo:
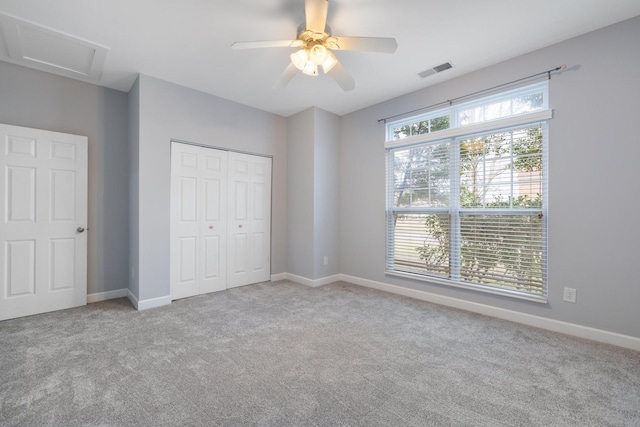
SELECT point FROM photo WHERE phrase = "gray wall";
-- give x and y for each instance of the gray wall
(300, 164)
(134, 181)
(168, 111)
(313, 149)
(593, 228)
(39, 100)
(326, 188)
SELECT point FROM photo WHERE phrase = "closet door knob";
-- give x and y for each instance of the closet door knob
(80, 229)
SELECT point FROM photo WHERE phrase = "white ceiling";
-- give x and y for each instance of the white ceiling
(187, 42)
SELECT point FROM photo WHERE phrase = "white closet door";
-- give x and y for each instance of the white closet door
(249, 225)
(198, 220)
(43, 205)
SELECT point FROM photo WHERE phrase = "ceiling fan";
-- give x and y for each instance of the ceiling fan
(316, 43)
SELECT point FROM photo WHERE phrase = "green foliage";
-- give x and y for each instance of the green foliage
(436, 253)
(420, 128)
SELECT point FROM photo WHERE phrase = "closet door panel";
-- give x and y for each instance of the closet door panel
(198, 220)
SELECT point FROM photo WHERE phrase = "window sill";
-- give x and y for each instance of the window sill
(477, 288)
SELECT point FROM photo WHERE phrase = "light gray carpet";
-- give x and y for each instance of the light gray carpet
(278, 354)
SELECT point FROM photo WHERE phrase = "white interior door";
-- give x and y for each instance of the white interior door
(198, 220)
(43, 204)
(249, 226)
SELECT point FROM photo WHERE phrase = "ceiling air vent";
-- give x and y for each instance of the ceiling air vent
(437, 69)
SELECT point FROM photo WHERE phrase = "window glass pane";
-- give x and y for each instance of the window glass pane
(505, 251)
(421, 176)
(401, 132)
(470, 116)
(501, 109)
(497, 110)
(502, 170)
(421, 244)
(440, 123)
(528, 103)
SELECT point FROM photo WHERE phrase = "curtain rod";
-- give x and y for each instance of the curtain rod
(451, 101)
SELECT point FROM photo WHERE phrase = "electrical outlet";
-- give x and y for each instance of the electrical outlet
(326, 260)
(570, 295)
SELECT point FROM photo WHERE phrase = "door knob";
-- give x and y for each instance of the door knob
(80, 229)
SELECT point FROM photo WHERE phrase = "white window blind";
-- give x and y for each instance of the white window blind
(471, 211)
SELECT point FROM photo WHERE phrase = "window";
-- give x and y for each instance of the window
(467, 204)
(420, 126)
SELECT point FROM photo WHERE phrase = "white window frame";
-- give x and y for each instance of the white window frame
(454, 135)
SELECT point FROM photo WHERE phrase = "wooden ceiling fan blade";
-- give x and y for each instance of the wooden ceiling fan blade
(315, 12)
(342, 77)
(286, 77)
(366, 44)
(266, 43)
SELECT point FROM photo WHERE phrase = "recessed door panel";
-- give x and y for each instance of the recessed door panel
(20, 268)
(189, 160)
(241, 200)
(19, 146)
(258, 201)
(63, 151)
(257, 253)
(20, 194)
(188, 201)
(240, 246)
(211, 259)
(62, 254)
(188, 259)
(63, 192)
(211, 200)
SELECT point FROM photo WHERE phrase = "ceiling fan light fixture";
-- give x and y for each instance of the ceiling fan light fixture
(329, 62)
(310, 69)
(318, 54)
(300, 59)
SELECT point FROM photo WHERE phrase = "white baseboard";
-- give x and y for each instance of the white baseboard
(278, 277)
(501, 313)
(314, 283)
(148, 303)
(103, 296)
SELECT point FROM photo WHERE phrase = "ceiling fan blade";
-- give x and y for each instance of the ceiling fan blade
(343, 78)
(286, 77)
(266, 43)
(315, 12)
(368, 44)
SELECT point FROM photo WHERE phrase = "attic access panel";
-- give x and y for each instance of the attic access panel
(46, 49)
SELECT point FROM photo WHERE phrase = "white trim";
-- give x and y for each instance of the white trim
(278, 277)
(501, 313)
(491, 125)
(478, 288)
(311, 282)
(148, 303)
(103, 296)
(132, 298)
